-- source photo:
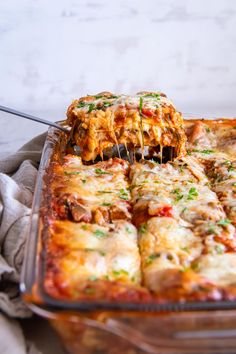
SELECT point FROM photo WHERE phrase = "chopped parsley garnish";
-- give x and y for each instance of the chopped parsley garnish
(106, 204)
(104, 192)
(112, 96)
(176, 191)
(143, 228)
(68, 173)
(81, 104)
(219, 249)
(83, 180)
(102, 253)
(178, 195)
(107, 104)
(192, 193)
(120, 272)
(99, 171)
(186, 249)
(92, 107)
(155, 95)
(123, 194)
(195, 266)
(208, 130)
(224, 222)
(98, 96)
(100, 233)
(140, 104)
(152, 257)
(184, 209)
(213, 229)
(206, 151)
(84, 227)
(234, 184)
(227, 162)
(127, 229)
(145, 181)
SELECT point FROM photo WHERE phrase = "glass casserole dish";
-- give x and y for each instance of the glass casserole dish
(104, 327)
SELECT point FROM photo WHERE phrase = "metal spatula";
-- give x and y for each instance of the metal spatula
(36, 119)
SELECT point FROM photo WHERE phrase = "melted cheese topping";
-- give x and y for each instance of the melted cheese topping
(164, 244)
(190, 219)
(220, 268)
(184, 214)
(89, 252)
(96, 193)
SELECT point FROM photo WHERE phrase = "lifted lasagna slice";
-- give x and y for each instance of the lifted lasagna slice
(147, 119)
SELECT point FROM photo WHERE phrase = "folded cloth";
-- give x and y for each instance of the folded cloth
(17, 180)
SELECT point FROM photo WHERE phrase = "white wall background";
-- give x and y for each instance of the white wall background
(52, 51)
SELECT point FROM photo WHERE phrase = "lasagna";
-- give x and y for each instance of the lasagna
(147, 230)
(106, 120)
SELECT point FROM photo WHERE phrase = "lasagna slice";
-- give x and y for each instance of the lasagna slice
(102, 121)
(180, 220)
(214, 145)
(85, 258)
(91, 193)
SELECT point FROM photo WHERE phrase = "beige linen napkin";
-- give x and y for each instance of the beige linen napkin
(17, 180)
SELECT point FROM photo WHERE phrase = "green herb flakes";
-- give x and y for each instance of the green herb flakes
(152, 257)
(154, 95)
(99, 171)
(143, 228)
(81, 104)
(192, 193)
(68, 173)
(104, 192)
(219, 249)
(102, 253)
(107, 104)
(120, 272)
(100, 233)
(206, 151)
(140, 104)
(224, 222)
(128, 230)
(178, 195)
(84, 227)
(123, 194)
(92, 107)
